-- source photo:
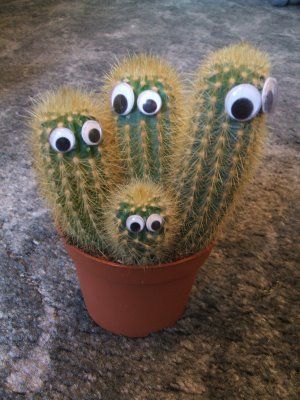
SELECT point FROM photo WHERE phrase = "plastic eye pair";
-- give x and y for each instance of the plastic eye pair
(243, 102)
(122, 100)
(63, 139)
(135, 223)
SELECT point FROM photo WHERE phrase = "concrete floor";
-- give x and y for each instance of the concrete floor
(237, 339)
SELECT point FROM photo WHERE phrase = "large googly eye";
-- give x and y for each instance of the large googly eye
(62, 140)
(91, 132)
(269, 95)
(122, 99)
(243, 102)
(149, 102)
(135, 223)
(154, 222)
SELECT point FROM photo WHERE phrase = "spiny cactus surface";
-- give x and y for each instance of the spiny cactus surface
(225, 130)
(74, 170)
(147, 103)
(141, 223)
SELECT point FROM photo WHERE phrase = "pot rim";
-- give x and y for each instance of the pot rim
(126, 267)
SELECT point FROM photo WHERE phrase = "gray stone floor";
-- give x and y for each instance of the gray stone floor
(238, 338)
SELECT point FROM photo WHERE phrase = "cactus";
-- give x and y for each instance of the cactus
(141, 222)
(147, 102)
(159, 186)
(212, 165)
(72, 164)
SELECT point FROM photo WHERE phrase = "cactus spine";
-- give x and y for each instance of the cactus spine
(146, 141)
(75, 182)
(153, 208)
(220, 151)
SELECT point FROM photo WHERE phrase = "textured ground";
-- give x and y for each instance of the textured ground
(238, 337)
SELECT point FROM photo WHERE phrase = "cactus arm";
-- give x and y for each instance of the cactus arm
(57, 189)
(79, 185)
(140, 138)
(245, 154)
(131, 135)
(221, 151)
(76, 183)
(145, 142)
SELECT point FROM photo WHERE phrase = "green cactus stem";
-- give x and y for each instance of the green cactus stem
(145, 141)
(72, 164)
(141, 223)
(217, 157)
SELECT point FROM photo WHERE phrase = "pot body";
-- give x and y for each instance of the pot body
(135, 300)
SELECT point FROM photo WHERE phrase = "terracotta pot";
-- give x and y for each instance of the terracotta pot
(135, 300)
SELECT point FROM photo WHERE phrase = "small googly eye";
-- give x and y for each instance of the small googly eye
(269, 95)
(243, 102)
(62, 140)
(149, 102)
(91, 132)
(135, 223)
(122, 99)
(154, 222)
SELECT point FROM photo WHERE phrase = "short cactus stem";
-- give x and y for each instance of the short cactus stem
(141, 223)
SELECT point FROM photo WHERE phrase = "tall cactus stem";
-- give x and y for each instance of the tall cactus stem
(219, 152)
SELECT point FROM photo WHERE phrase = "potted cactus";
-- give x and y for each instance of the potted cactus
(140, 181)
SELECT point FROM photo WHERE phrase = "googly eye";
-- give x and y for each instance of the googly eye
(135, 223)
(122, 99)
(91, 132)
(269, 95)
(154, 222)
(62, 140)
(149, 102)
(243, 102)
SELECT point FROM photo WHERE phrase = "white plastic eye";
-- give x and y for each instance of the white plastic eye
(154, 222)
(269, 95)
(135, 223)
(122, 99)
(62, 140)
(91, 132)
(149, 102)
(243, 102)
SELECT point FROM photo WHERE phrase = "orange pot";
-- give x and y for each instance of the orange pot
(135, 300)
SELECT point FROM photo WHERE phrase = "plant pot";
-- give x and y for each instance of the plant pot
(135, 300)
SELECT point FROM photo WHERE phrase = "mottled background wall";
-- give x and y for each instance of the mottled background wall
(237, 339)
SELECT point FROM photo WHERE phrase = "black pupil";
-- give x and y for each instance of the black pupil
(156, 225)
(269, 101)
(135, 227)
(120, 104)
(94, 135)
(150, 106)
(242, 108)
(63, 144)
